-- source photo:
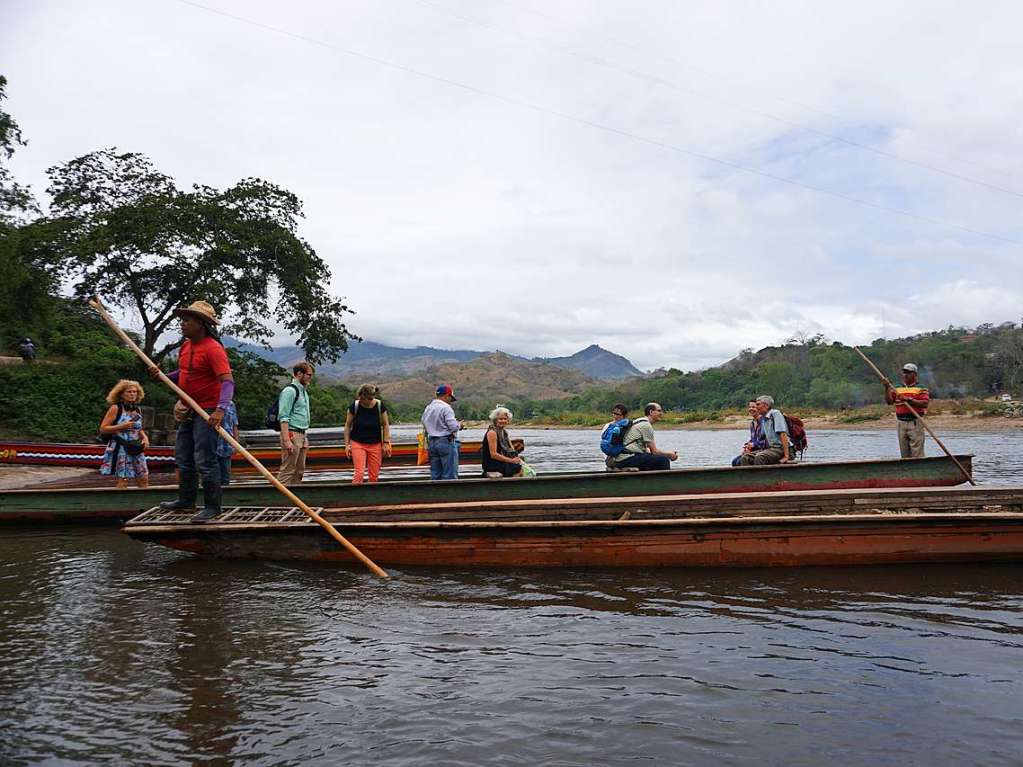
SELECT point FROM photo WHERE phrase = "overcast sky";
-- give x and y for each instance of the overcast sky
(674, 181)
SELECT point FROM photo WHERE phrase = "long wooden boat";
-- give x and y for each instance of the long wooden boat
(161, 457)
(108, 504)
(845, 527)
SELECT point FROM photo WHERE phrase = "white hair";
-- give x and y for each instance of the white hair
(499, 411)
(766, 399)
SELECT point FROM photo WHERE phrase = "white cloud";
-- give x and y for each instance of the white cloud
(455, 219)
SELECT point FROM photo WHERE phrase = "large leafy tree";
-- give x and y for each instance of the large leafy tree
(25, 282)
(15, 200)
(122, 229)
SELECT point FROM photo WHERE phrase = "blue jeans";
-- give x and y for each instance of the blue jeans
(195, 450)
(224, 462)
(645, 462)
(443, 454)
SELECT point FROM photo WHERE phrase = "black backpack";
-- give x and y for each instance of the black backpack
(273, 412)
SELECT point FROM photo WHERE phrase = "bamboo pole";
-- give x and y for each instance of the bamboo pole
(920, 418)
(97, 305)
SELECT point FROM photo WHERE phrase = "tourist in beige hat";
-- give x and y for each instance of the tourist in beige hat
(204, 374)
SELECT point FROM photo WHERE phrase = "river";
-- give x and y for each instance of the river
(116, 652)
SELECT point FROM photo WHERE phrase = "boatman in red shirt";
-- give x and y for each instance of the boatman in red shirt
(911, 430)
(205, 375)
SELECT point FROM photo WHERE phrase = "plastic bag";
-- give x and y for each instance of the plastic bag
(527, 470)
(422, 451)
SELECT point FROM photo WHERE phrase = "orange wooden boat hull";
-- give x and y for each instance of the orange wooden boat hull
(823, 529)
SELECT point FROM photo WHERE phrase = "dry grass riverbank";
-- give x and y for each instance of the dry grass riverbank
(977, 415)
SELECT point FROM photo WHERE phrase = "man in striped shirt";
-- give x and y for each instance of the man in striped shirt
(910, 394)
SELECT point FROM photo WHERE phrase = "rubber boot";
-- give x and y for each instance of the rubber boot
(211, 493)
(188, 489)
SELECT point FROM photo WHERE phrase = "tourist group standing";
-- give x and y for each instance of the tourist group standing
(203, 456)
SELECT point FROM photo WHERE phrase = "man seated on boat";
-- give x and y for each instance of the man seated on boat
(776, 435)
(640, 451)
(756, 434)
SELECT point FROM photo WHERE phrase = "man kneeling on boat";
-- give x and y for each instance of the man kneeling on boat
(640, 451)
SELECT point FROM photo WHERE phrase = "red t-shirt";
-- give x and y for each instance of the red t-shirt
(199, 366)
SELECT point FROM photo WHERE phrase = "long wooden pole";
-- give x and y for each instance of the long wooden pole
(920, 418)
(96, 304)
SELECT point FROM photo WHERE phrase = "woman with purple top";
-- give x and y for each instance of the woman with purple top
(757, 440)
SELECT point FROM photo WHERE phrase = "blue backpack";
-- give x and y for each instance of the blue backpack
(272, 413)
(612, 440)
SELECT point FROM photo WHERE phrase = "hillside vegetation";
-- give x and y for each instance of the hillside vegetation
(954, 363)
(483, 382)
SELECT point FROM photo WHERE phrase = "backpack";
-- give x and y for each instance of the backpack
(380, 413)
(273, 412)
(797, 433)
(612, 439)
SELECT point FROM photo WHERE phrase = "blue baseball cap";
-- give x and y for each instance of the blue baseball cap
(443, 390)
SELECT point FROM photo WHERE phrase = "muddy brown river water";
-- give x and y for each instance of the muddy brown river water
(115, 652)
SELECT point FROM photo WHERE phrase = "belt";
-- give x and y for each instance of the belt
(448, 437)
(292, 428)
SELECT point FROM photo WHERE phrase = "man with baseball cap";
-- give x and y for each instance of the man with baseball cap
(205, 375)
(442, 429)
(910, 394)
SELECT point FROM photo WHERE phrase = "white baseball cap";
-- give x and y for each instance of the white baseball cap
(909, 367)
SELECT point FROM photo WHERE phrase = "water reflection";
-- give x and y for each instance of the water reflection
(117, 652)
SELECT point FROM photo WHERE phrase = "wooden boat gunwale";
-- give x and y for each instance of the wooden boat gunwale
(106, 504)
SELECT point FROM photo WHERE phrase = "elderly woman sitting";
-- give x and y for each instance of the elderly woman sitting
(499, 458)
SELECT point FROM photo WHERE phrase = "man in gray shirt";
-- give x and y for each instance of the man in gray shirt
(442, 429)
(776, 433)
(639, 449)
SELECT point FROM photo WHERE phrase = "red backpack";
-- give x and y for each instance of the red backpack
(797, 433)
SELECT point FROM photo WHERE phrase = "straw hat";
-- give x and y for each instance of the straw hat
(200, 309)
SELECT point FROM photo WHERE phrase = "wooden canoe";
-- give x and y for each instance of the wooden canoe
(846, 527)
(46, 506)
(161, 457)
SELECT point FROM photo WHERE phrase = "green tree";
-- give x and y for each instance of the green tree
(122, 229)
(15, 199)
(25, 283)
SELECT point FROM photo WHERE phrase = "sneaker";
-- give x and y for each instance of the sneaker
(204, 516)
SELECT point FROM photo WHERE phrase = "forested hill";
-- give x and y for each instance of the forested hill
(956, 362)
(595, 362)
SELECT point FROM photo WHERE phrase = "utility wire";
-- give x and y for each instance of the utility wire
(600, 126)
(713, 97)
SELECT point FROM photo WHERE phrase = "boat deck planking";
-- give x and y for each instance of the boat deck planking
(809, 528)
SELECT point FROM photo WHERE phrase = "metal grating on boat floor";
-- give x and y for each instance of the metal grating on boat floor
(238, 515)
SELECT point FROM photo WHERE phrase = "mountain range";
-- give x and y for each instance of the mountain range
(370, 360)
(490, 379)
